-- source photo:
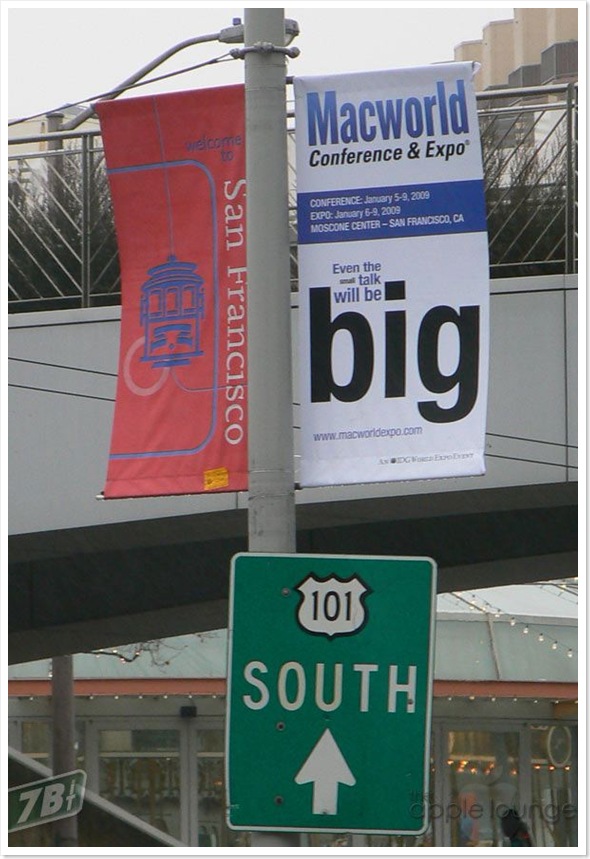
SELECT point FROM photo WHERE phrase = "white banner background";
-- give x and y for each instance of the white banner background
(393, 276)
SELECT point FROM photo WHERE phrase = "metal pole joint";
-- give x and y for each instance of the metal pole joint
(264, 48)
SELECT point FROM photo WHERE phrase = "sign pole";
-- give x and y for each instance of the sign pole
(65, 830)
(271, 505)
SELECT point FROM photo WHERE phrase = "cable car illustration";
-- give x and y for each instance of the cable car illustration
(172, 307)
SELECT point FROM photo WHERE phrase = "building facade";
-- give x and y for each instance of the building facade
(537, 46)
(504, 726)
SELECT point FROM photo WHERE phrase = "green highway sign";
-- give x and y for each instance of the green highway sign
(330, 669)
(46, 800)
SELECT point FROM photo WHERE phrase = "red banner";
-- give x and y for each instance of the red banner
(176, 166)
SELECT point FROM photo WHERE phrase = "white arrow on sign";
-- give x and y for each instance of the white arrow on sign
(326, 768)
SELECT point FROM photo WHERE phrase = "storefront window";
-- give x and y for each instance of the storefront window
(139, 771)
(424, 840)
(483, 770)
(213, 831)
(553, 817)
(36, 741)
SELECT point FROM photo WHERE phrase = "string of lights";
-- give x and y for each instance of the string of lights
(567, 586)
(526, 626)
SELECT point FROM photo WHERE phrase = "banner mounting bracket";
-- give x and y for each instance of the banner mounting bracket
(264, 48)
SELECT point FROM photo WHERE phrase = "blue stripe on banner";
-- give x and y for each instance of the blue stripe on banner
(391, 212)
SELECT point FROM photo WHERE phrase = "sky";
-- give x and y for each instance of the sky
(57, 53)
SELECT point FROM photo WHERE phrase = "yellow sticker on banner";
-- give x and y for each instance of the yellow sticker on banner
(216, 478)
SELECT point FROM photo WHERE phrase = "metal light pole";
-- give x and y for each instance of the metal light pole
(65, 831)
(230, 35)
(270, 404)
(271, 505)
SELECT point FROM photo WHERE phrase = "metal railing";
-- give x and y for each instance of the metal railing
(62, 249)
(529, 144)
